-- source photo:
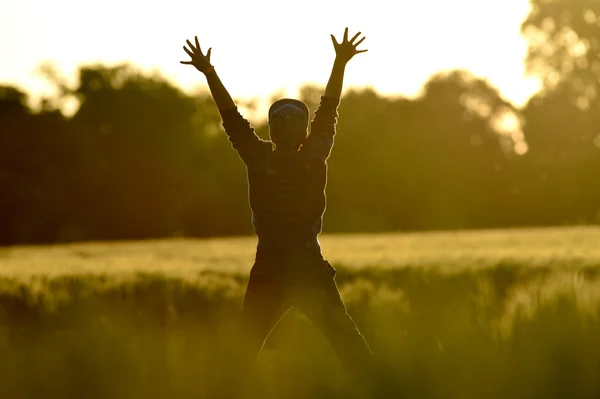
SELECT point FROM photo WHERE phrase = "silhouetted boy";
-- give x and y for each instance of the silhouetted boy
(287, 178)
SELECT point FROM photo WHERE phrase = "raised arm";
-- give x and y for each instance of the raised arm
(344, 52)
(202, 63)
(240, 132)
(320, 141)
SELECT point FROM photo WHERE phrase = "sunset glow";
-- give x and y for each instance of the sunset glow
(260, 47)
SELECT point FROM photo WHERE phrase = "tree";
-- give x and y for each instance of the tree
(149, 150)
(34, 171)
(563, 165)
(434, 162)
(564, 44)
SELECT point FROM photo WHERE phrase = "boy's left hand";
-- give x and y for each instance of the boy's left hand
(345, 50)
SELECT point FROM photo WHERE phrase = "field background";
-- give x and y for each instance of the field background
(471, 314)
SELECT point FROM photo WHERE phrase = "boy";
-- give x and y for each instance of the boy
(287, 178)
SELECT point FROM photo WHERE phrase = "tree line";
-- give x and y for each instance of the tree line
(142, 159)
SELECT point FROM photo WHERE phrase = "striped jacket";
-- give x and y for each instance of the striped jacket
(286, 189)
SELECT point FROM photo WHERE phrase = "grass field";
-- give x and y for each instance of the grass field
(477, 314)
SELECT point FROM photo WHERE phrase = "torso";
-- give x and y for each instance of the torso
(287, 197)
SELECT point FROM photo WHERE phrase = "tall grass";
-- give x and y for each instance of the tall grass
(448, 315)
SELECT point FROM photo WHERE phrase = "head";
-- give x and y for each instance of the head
(288, 123)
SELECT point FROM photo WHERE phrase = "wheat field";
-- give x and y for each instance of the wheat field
(471, 314)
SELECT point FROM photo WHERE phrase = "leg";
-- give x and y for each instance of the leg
(264, 305)
(317, 296)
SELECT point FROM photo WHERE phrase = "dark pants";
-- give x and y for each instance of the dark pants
(306, 281)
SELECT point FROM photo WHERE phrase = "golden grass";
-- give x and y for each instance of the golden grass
(450, 251)
(474, 314)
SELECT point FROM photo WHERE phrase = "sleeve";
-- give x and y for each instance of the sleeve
(242, 136)
(322, 129)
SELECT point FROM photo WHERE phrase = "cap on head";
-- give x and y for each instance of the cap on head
(288, 123)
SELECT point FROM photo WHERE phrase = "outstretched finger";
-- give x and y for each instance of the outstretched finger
(346, 34)
(186, 62)
(208, 53)
(197, 44)
(190, 53)
(359, 42)
(354, 37)
(191, 45)
(333, 40)
(361, 51)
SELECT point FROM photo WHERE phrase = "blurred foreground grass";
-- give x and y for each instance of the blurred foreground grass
(479, 314)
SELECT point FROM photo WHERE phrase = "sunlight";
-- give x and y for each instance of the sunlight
(260, 48)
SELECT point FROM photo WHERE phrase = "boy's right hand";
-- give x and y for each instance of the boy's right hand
(199, 60)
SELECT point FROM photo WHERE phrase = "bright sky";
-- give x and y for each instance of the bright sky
(263, 46)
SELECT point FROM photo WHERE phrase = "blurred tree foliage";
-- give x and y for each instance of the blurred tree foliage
(140, 158)
(562, 169)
